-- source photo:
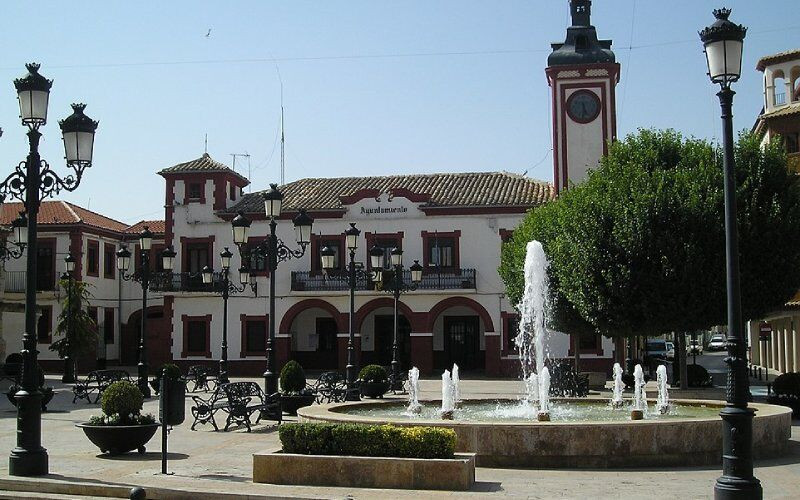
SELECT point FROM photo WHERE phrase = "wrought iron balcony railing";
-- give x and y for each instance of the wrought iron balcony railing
(308, 281)
(15, 282)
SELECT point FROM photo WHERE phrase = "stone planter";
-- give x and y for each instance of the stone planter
(374, 389)
(290, 403)
(456, 474)
(119, 439)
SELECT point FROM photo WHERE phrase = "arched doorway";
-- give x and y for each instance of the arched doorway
(157, 341)
(374, 321)
(459, 325)
(314, 326)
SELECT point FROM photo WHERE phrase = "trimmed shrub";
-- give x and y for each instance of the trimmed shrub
(293, 378)
(367, 440)
(787, 384)
(698, 376)
(373, 373)
(122, 398)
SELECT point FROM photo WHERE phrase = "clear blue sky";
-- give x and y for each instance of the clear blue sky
(157, 84)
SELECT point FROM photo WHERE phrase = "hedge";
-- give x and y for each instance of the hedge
(367, 440)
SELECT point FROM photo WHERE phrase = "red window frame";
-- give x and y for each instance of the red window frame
(185, 242)
(597, 349)
(109, 261)
(245, 319)
(187, 184)
(318, 241)
(253, 242)
(185, 319)
(93, 245)
(428, 238)
(373, 238)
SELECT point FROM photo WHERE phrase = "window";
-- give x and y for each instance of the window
(196, 335)
(92, 312)
(196, 257)
(108, 325)
(441, 250)
(258, 262)
(232, 192)
(326, 334)
(156, 262)
(44, 325)
(195, 191)
(92, 258)
(46, 264)
(587, 342)
(320, 242)
(254, 335)
(109, 261)
(792, 143)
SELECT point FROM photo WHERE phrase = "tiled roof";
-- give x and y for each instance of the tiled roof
(474, 189)
(203, 164)
(61, 212)
(780, 57)
(156, 226)
(791, 109)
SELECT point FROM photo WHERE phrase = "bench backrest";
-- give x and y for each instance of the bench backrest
(109, 375)
(240, 390)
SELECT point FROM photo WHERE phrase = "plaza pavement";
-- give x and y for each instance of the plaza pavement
(207, 464)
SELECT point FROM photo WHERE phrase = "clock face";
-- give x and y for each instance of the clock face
(583, 106)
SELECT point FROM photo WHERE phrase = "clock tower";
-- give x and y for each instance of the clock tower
(582, 73)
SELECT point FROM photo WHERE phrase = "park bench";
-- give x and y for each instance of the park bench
(331, 387)
(399, 385)
(96, 382)
(201, 376)
(204, 409)
(246, 398)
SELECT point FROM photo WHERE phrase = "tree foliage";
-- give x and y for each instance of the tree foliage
(83, 337)
(639, 247)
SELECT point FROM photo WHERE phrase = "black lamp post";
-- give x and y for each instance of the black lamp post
(273, 251)
(32, 181)
(225, 289)
(20, 230)
(354, 273)
(145, 278)
(396, 285)
(69, 363)
(723, 42)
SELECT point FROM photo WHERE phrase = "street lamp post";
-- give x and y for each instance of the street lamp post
(145, 278)
(69, 363)
(273, 251)
(723, 42)
(354, 273)
(226, 289)
(396, 286)
(32, 181)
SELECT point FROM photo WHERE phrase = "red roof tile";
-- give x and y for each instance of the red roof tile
(156, 226)
(61, 212)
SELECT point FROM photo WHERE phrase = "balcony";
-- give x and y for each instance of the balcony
(305, 281)
(793, 162)
(15, 282)
(186, 282)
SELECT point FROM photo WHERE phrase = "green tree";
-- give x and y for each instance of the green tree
(83, 334)
(638, 248)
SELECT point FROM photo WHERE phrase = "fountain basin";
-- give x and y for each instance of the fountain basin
(672, 440)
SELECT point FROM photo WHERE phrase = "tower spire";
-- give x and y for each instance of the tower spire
(581, 12)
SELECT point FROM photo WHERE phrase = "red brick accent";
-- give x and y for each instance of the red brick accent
(441, 306)
(492, 360)
(291, 314)
(359, 195)
(76, 249)
(282, 350)
(422, 354)
(506, 234)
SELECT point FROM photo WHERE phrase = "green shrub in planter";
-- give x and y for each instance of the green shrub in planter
(367, 440)
(122, 398)
(787, 384)
(293, 378)
(373, 374)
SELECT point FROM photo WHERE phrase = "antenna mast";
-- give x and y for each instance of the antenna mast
(243, 155)
(283, 144)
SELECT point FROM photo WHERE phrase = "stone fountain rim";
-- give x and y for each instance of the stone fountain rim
(328, 413)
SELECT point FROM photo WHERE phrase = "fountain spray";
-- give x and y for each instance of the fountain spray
(639, 396)
(448, 405)
(662, 403)
(413, 392)
(616, 397)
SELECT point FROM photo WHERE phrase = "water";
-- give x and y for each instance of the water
(619, 386)
(521, 412)
(456, 382)
(531, 341)
(448, 404)
(544, 392)
(662, 402)
(532, 389)
(639, 396)
(413, 391)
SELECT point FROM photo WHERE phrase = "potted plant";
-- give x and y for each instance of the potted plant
(76, 329)
(173, 373)
(121, 427)
(294, 393)
(374, 382)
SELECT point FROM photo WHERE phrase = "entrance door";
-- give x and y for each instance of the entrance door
(384, 337)
(462, 342)
(327, 343)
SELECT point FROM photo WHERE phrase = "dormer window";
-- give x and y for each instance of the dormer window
(195, 191)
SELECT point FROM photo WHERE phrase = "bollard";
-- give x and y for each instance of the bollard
(138, 493)
(759, 373)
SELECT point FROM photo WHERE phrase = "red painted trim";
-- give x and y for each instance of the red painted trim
(411, 196)
(76, 249)
(186, 191)
(169, 212)
(426, 251)
(244, 319)
(93, 245)
(52, 243)
(415, 320)
(316, 262)
(109, 249)
(441, 306)
(371, 237)
(185, 319)
(358, 196)
(563, 99)
(315, 214)
(290, 315)
(487, 210)
(255, 241)
(185, 255)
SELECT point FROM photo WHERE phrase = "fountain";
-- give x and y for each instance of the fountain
(505, 432)
(544, 395)
(619, 386)
(456, 382)
(639, 395)
(448, 404)
(662, 402)
(413, 408)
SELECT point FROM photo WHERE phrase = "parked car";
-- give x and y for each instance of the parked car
(694, 347)
(717, 343)
(670, 351)
(657, 348)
